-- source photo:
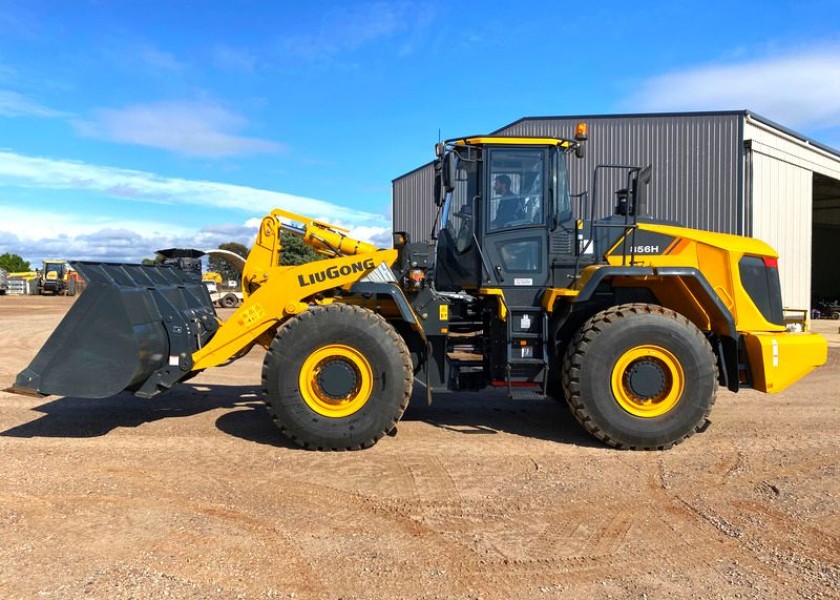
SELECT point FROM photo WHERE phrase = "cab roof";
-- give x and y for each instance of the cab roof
(498, 140)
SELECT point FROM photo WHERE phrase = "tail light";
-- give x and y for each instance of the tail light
(760, 278)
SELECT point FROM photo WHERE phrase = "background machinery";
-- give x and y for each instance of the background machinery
(52, 278)
(224, 293)
(221, 294)
(57, 277)
(633, 323)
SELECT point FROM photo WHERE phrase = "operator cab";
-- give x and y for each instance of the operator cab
(507, 215)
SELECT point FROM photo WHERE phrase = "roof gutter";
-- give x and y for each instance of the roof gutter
(802, 143)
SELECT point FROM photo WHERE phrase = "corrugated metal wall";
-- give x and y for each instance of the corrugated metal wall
(697, 177)
(413, 201)
(783, 219)
(732, 172)
(696, 163)
(781, 169)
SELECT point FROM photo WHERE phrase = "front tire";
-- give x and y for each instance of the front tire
(337, 377)
(640, 376)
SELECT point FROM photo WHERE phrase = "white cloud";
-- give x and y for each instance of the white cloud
(230, 58)
(800, 89)
(127, 184)
(190, 128)
(33, 223)
(13, 104)
(43, 234)
(351, 26)
(380, 236)
(37, 234)
(159, 60)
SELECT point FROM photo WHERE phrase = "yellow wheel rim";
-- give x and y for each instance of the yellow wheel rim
(336, 381)
(647, 381)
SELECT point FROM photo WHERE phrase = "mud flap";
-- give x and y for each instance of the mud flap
(134, 328)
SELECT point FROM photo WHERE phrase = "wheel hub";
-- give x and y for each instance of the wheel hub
(645, 379)
(337, 379)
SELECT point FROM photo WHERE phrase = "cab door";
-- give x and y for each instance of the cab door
(514, 221)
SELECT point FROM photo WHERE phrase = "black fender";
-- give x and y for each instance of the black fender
(370, 288)
(725, 341)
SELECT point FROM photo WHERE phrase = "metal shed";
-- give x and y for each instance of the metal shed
(732, 172)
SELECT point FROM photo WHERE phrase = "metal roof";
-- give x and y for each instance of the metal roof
(711, 113)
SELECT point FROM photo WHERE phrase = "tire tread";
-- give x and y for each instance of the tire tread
(576, 352)
(304, 320)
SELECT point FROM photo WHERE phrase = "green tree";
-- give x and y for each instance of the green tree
(295, 252)
(13, 263)
(222, 266)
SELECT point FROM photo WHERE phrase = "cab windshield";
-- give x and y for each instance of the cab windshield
(518, 196)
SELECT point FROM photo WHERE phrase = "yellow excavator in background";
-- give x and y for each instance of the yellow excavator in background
(634, 323)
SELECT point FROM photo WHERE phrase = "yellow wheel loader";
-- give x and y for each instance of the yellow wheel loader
(633, 322)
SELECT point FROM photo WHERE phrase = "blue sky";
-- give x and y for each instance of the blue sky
(131, 126)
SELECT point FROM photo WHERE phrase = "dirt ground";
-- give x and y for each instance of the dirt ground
(195, 495)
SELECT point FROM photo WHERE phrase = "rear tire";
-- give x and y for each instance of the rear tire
(640, 376)
(337, 377)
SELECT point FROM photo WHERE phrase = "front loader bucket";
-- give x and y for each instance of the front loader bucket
(134, 328)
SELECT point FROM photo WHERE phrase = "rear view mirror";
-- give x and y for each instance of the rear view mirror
(449, 171)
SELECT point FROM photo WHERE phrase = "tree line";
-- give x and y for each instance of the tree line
(13, 263)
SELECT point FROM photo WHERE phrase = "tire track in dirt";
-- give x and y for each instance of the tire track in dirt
(195, 530)
(729, 465)
(431, 480)
(735, 528)
(424, 488)
(770, 559)
(575, 543)
(777, 526)
(581, 535)
(566, 541)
